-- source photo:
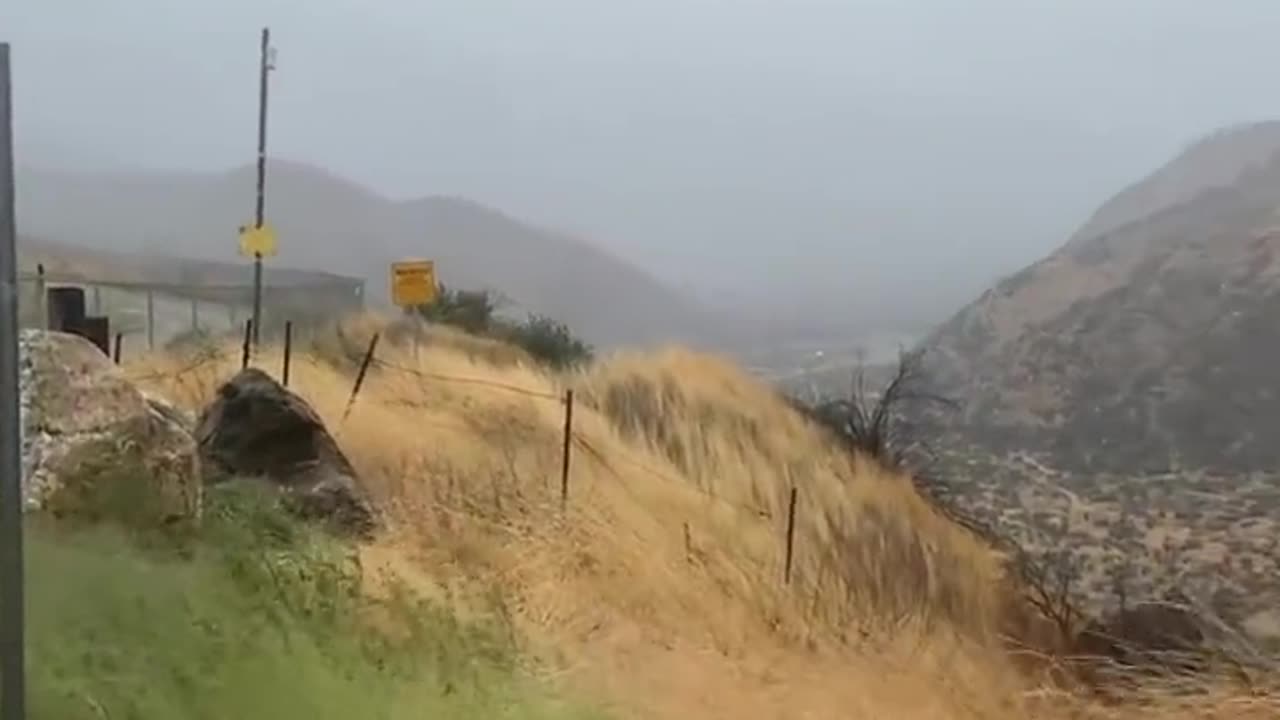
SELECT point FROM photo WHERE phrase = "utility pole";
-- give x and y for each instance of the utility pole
(12, 615)
(264, 67)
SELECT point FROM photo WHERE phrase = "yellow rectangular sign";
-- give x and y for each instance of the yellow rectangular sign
(413, 282)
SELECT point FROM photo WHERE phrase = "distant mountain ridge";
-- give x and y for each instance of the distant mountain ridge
(328, 223)
(1148, 341)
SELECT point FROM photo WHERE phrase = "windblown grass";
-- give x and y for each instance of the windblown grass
(660, 585)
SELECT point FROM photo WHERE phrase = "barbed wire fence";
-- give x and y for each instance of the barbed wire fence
(573, 442)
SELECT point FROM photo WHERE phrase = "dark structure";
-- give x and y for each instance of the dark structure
(66, 313)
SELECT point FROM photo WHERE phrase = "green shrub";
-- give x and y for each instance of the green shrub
(469, 310)
(550, 342)
(474, 311)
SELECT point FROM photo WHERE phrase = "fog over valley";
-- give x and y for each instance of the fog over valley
(622, 359)
(850, 166)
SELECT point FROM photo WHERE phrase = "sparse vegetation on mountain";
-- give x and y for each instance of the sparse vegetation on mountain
(1134, 366)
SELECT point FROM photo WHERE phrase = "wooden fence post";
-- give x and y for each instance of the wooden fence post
(116, 353)
(567, 450)
(791, 535)
(364, 368)
(288, 351)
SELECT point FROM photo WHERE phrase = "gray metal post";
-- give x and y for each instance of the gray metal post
(195, 315)
(264, 66)
(97, 300)
(151, 320)
(12, 614)
(41, 298)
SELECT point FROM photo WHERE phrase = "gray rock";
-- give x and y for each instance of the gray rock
(93, 443)
(257, 428)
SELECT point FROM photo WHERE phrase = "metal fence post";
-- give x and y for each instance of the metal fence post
(12, 584)
(288, 351)
(151, 320)
(791, 535)
(248, 336)
(40, 299)
(364, 368)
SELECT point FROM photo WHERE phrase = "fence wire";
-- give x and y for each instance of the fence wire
(212, 355)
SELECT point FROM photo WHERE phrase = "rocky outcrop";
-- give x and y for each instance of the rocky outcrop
(93, 444)
(257, 428)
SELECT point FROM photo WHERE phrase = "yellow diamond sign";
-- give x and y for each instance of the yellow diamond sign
(413, 282)
(257, 240)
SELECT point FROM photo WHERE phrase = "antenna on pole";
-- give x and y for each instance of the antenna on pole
(266, 63)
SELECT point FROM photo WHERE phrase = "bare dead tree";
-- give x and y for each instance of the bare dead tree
(877, 423)
(1051, 571)
(1126, 550)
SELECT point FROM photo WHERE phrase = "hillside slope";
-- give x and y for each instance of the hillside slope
(331, 224)
(1144, 344)
(1134, 369)
(657, 587)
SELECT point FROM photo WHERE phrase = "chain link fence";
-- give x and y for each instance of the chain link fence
(150, 315)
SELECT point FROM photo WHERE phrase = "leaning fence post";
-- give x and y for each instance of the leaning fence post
(288, 350)
(244, 350)
(567, 449)
(791, 535)
(364, 368)
(115, 355)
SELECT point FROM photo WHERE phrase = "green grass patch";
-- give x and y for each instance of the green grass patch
(253, 616)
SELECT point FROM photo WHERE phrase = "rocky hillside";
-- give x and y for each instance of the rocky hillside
(1148, 342)
(1124, 387)
(331, 224)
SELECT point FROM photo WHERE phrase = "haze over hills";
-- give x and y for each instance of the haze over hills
(328, 223)
(1132, 373)
(1147, 342)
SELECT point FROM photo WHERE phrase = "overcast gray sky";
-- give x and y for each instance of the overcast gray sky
(845, 152)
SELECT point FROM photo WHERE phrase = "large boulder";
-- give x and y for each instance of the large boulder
(93, 444)
(257, 428)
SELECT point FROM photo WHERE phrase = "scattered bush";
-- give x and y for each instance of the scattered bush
(549, 341)
(469, 310)
(475, 311)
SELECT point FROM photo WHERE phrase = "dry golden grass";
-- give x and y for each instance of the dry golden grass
(659, 588)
